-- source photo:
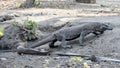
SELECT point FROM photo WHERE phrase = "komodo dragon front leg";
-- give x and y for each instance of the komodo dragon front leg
(81, 38)
(64, 43)
(84, 33)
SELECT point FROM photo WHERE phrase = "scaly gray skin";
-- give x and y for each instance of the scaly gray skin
(71, 33)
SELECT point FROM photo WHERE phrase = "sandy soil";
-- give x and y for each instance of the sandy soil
(50, 20)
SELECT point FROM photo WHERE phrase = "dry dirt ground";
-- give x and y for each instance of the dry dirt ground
(50, 20)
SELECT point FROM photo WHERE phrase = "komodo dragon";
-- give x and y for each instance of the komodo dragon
(73, 32)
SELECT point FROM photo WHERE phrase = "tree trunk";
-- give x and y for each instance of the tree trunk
(28, 4)
(86, 1)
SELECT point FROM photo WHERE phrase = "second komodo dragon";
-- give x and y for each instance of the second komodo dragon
(73, 32)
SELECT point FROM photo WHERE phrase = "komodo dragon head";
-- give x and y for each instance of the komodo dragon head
(104, 27)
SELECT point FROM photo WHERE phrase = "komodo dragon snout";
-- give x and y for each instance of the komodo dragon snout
(101, 28)
(106, 27)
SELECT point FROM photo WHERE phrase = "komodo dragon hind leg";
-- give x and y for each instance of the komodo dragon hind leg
(101, 32)
(51, 44)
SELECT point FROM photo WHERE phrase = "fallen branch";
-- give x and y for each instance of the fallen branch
(92, 58)
(46, 52)
(70, 54)
(29, 51)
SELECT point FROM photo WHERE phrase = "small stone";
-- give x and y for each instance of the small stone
(20, 47)
(3, 59)
(42, 50)
(27, 66)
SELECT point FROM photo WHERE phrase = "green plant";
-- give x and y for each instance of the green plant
(18, 4)
(76, 59)
(85, 65)
(31, 25)
(28, 30)
(46, 63)
(37, 2)
(1, 32)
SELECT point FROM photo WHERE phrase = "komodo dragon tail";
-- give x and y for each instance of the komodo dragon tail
(44, 41)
